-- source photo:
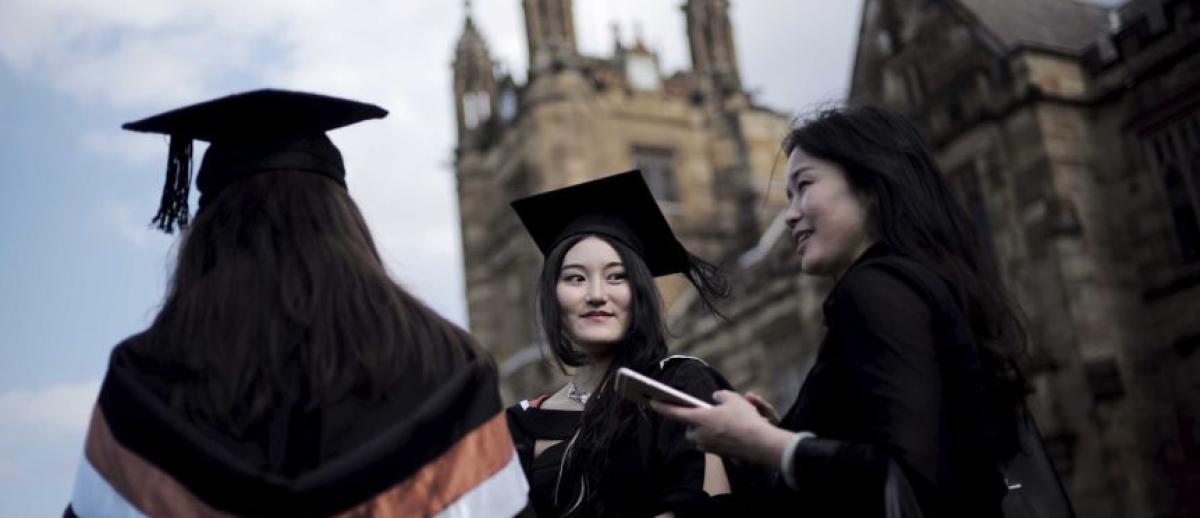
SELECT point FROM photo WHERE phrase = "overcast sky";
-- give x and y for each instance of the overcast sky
(79, 266)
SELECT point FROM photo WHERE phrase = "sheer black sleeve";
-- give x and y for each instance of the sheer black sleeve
(884, 337)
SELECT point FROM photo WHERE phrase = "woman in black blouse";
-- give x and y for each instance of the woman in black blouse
(585, 450)
(916, 381)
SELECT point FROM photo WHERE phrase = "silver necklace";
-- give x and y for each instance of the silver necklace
(577, 395)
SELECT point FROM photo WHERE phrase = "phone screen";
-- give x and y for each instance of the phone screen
(636, 387)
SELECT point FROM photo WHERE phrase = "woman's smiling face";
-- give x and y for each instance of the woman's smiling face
(594, 295)
(827, 218)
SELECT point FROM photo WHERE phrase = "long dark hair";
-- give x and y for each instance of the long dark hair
(911, 206)
(279, 295)
(606, 416)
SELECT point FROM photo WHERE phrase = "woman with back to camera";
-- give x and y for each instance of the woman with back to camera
(916, 381)
(286, 374)
(586, 450)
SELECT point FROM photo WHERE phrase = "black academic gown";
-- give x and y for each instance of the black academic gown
(890, 385)
(424, 450)
(652, 468)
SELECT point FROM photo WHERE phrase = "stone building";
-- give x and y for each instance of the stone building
(704, 145)
(1071, 133)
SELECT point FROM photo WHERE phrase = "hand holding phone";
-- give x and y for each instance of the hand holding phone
(639, 388)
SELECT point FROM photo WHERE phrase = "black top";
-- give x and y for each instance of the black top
(890, 383)
(653, 468)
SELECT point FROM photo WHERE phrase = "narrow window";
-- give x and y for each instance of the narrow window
(477, 108)
(656, 166)
(1173, 153)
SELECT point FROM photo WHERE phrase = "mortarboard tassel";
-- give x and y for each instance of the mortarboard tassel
(709, 281)
(173, 207)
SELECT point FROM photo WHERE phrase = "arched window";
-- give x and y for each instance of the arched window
(477, 108)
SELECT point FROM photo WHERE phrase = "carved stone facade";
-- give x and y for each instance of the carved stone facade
(1072, 135)
(704, 145)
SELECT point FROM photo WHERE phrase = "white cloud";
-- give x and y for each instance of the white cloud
(41, 439)
(141, 57)
(144, 50)
(797, 55)
(110, 144)
(131, 226)
(54, 410)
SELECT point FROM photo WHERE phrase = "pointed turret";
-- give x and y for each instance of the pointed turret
(474, 81)
(710, 35)
(550, 31)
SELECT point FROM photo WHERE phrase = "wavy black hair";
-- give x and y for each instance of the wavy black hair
(912, 208)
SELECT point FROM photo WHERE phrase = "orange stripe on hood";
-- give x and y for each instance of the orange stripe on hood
(142, 484)
(478, 455)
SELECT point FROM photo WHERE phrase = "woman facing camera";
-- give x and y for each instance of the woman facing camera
(586, 450)
(915, 389)
(286, 374)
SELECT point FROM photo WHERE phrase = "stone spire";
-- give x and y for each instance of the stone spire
(710, 35)
(550, 32)
(474, 79)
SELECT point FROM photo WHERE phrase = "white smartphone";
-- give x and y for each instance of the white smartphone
(639, 388)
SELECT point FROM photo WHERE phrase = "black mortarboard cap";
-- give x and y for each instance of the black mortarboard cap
(620, 206)
(249, 133)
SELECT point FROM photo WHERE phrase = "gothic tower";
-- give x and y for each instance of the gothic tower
(710, 35)
(714, 62)
(474, 83)
(550, 32)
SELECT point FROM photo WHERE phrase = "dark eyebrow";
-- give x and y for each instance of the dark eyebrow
(581, 267)
(799, 171)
